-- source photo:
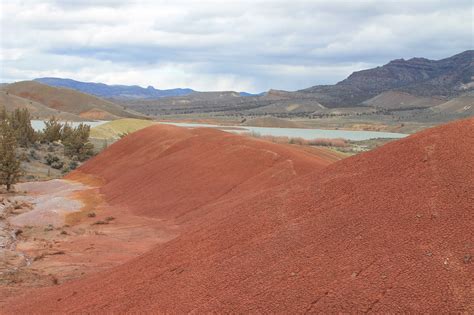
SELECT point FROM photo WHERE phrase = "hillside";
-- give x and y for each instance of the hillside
(67, 100)
(392, 100)
(400, 84)
(384, 231)
(463, 105)
(37, 110)
(114, 91)
(447, 77)
(113, 129)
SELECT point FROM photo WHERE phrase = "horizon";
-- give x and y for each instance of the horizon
(241, 46)
(254, 93)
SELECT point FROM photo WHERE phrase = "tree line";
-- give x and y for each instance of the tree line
(16, 131)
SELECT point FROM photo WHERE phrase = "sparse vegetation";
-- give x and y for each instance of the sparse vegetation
(76, 143)
(10, 169)
(338, 143)
(58, 146)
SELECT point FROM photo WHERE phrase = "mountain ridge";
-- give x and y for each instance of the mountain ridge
(113, 91)
(448, 77)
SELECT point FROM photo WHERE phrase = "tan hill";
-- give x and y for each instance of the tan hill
(381, 232)
(462, 105)
(288, 107)
(37, 110)
(113, 129)
(67, 100)
(392, 100)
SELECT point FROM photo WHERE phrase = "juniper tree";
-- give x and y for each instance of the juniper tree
(10, 170)
(21, 122)
(52, 130)
(77, 143)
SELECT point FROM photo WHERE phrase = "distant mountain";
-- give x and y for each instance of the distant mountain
(114, 91)
(250, 94)
(447, 78)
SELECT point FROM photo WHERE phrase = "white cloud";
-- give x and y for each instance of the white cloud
(248, 45)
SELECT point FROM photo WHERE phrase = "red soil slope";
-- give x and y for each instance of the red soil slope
(389, 230)
(168, 172)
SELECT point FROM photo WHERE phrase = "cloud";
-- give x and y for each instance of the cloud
(251, 45)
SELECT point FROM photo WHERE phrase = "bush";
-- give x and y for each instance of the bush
(57, 165)
(77, 143)
(300, 141)
(73, 165)
(50, 159)
(33, 154)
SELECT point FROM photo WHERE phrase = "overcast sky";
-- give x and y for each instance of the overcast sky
(241, 45)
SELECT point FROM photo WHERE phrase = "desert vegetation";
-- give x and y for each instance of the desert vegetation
(325, 142)
(53, 151)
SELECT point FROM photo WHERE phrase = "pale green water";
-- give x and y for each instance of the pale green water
(307, 134)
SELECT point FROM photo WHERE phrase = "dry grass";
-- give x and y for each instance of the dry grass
(337, 143)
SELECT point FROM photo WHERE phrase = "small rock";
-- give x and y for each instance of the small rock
(467, 259)
(100, 222)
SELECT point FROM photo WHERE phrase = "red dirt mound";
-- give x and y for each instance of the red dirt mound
(385, 231)
(167, 172)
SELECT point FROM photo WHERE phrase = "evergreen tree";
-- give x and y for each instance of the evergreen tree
(10, 170)
(21, 123)
(66, 131)
(52, 130)
(77, 143)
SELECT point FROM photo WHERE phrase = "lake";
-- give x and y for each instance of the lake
(38, 125)
(307, 134)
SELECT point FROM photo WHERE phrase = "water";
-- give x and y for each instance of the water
(39, 124)
(307, 134)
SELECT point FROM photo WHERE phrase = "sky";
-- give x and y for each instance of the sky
(245, 45)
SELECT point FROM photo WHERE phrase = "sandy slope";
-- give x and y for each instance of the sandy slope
(400, 100)
(387, 230)
(37, 110)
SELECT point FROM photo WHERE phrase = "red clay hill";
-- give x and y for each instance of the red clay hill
(390, 230)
